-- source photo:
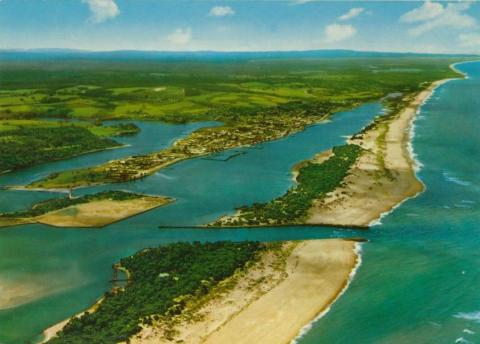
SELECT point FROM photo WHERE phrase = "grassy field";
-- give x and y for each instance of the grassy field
(185, 91)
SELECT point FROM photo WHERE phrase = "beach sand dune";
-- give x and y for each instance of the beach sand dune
(270, 305)
(381, 179)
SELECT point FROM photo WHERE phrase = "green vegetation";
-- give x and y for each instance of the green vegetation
(314, 182)
(161, 281)
(180, 91)
(121, 129)
(257, 100)
(61, 203)
(25, 143)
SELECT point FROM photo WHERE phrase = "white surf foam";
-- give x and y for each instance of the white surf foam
(471, 316)
(308, 327)
(417, 164)
(164, 176)
(452, 179)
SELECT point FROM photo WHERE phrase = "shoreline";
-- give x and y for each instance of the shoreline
(150, 171)
(94, 214)
(267, 305)
(368, 196)
(97, 150)
(353, 272)
(417, 164)
(52, 331)
(380, 180)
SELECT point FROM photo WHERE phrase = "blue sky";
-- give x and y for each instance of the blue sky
(418, 26)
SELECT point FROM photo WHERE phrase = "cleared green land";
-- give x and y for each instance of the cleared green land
(193, 90)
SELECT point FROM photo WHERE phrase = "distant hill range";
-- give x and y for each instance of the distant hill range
(45, 54)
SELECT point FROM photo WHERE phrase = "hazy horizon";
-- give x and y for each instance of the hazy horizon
(241, 26)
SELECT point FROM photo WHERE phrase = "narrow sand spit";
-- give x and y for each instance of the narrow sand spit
(272, 302)
(93, 214)
(100, 213)
(383, 176)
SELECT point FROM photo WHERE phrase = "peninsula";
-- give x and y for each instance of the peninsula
(224, 293)
(350, 185)
(97, 210)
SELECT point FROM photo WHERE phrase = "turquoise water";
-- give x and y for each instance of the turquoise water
(419, 279)
(420, 276)
(73, 266)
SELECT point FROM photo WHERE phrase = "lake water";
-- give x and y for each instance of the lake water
(419, 279)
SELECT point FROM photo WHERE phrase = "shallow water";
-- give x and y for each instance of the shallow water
(75, 264)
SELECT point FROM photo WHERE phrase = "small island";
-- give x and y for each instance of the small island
(219, 292)
(97, 210)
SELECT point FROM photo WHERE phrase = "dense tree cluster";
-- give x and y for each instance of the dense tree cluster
(126, 129)
(26, 146)
(314, 182)
(161, 279)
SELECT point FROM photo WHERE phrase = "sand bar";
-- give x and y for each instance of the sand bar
(94, 214)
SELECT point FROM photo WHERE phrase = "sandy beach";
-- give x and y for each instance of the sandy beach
(100, 213)
(381, 179)
(272, 302)
(93, 214)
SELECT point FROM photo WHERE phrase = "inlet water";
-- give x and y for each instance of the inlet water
(419, 279)
(60, 272)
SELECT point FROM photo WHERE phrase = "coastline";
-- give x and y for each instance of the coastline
(277, 306)
(52, 331)
(416, 166)
(383, 177)
(353, 272)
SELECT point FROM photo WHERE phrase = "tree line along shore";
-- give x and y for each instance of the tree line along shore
(216, 293)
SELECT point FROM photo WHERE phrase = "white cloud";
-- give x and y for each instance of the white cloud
(470, 40)
(301, 2)
(428, 10)
(431, 16)
(338, 32)
(102, 9)
(221, 11)
(352, 13)
(180, 36)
